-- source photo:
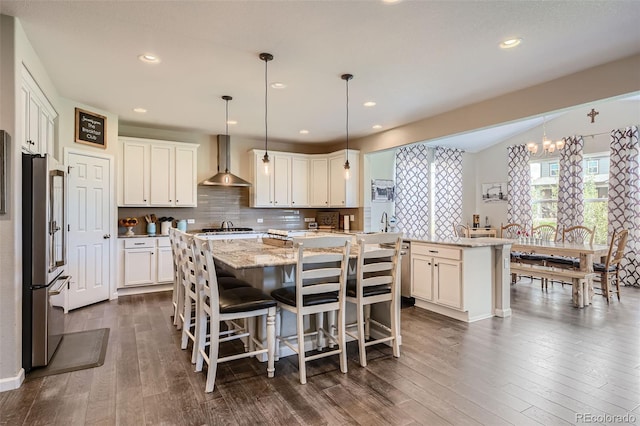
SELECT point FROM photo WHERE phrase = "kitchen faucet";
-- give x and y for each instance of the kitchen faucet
(385, 220)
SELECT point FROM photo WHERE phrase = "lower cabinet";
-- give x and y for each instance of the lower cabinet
(453, 281)
(145, 261)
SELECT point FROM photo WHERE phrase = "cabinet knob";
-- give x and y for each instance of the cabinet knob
(293, 202)
(435, 264)
(144, 200)
(169, 200)
(275, 202)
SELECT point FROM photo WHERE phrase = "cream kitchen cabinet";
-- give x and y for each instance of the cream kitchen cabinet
(344, 192)
(299, 181)
(454, 281)
(37, 117)
(319, 181)
(157, 173)
(274, 189)
(145, 261)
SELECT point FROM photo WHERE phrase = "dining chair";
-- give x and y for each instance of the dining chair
(377, 281)
(610, 270)
(512, 230)
(461, 230)
(545, 233)
(578, 234)
(190, 286)
(320, 281)
(216, 305)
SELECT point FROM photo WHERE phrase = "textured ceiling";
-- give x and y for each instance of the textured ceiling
(414, 58)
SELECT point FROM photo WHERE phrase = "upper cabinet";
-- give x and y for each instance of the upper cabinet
(300, 180)
(37, 117)
(157, 173)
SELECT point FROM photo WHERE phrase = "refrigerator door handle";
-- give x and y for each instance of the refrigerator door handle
(61, 282)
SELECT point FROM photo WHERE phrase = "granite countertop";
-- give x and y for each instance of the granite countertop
(459, 242)
(142, 236)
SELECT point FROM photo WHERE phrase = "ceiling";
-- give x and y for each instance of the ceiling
(413, 58)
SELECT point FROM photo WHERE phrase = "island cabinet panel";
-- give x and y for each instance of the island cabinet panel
(453, 281)
(157, 173)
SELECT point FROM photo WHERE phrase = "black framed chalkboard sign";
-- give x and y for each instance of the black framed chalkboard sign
(91, 128)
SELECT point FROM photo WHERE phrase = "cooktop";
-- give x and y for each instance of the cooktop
(221, 230)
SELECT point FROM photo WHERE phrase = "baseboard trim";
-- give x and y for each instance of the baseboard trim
(127, 291)
(11, 383)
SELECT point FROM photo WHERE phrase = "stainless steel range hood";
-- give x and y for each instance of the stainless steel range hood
(224, 156)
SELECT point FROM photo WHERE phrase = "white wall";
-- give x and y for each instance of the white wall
(377, 165)
(491, 163)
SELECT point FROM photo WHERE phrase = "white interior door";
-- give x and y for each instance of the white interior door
(90, 260)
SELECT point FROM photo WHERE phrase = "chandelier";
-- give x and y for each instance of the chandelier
(548, 146)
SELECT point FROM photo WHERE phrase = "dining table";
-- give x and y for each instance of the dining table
(587, 253)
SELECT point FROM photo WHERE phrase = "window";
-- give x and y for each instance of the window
(544, 193)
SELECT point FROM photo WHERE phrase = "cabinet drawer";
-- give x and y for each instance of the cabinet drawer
(140, 243)
(437, 251)
(164, 242)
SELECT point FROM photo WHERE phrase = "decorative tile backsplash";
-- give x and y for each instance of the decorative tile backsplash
(216, 203)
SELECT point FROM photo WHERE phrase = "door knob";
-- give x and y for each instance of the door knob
(106, 236)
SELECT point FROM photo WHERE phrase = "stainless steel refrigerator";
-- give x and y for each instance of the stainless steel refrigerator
(44, 231)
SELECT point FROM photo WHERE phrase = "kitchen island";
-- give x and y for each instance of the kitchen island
(464, 278)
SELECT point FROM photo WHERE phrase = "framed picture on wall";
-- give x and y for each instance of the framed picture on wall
(494, 192)
(382, 190)
(91, 128)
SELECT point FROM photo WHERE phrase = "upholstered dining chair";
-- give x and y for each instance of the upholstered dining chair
(320, 281)
(610, 270)
(216, 305)
(548, 233)
(378, 281)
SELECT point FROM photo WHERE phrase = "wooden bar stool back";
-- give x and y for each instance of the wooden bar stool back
(461, 230)
(190, 286)
(378, 280)
(218, 305)
(321, 274)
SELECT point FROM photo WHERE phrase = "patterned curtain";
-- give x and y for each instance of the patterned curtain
(448, 191)
(519, 186)
(413, 183)
(624, 198)
(571, 184)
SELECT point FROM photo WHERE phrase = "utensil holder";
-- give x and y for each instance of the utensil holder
(164, 228)
(151, 229)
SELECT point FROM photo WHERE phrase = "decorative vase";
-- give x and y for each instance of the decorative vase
(129, 232)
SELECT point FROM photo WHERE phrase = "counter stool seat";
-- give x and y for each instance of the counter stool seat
(287, 295)
(228, 283)
(244, 299)
(224, 274)
(373, 290)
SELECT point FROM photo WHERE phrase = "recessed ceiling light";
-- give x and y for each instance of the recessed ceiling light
(512, 42)
(232, 122)
(369, 104)
(391, 1)
(376, 126)
(278, 85)
(149, 58)
(304, 132)
(140, 110)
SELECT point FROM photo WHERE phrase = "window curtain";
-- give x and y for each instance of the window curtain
(571, 184)
(519, 186)
(413, 183)
(624, 198)
(448, 191)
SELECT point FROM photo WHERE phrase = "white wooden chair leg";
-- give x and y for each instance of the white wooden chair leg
(196, 332)
(331, 326)
(302, 367)
(319, 328)
(271, 341)
(342, 340)
(367, 322)
(213, 356)
(186, 325)
(361, 335)
(395, 328)
(202, 340)
(251, 329)
(278, 333)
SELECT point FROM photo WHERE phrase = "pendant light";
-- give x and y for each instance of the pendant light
(347, 167)
(266, 57)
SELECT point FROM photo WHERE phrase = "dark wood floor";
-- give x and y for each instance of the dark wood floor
(544, 365)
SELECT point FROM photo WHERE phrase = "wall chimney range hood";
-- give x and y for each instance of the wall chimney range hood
(224, 156)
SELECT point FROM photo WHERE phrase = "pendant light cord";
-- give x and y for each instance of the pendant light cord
(346, 78)
(347, 124)
(266, 107)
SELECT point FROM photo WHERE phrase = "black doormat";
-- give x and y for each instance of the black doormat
(77, 351)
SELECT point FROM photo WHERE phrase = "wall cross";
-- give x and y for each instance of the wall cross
(593, 114)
